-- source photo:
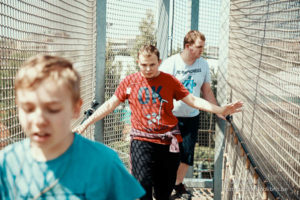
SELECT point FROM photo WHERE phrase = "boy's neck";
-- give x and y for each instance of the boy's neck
(187, 58)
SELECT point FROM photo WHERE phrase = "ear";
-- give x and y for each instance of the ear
(159, 61)
(77, 108)
(186, 46)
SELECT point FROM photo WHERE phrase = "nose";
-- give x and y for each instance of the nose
(148, 68)
(39, 118)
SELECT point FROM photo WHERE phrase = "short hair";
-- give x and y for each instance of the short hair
(41, 67)
(148, 50)
(192, 36)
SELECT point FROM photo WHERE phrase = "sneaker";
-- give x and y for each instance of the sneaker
(180, 190)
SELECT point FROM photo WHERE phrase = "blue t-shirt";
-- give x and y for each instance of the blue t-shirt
(191, 76)
(87, 170)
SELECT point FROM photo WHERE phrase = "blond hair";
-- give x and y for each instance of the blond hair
(192, 36)
(148, 50)
(41, 67)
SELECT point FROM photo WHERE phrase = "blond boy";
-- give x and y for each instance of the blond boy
(52, 162)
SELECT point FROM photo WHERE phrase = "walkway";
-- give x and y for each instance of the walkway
(197, 194)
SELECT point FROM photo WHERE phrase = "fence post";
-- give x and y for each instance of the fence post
(163, 27)
(195, 15)
(221, 96)
(100, 63)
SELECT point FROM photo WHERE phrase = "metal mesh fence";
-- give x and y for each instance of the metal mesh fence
(261, 51)
(49, 27)
(180, 23)
(264, 72)
(240, 180)
(208, 24)
(130, 24)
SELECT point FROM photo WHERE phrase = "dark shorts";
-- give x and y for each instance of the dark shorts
(154, 167)
(188, 127)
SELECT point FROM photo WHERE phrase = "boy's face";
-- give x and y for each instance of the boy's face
(149, 65)
(45, 115)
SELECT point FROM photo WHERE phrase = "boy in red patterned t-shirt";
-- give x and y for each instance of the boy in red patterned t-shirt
(154, 147)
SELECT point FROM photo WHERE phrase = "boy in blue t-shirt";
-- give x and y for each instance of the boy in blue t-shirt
(52, 162)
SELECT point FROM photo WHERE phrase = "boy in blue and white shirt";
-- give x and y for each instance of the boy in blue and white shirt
(193, 72)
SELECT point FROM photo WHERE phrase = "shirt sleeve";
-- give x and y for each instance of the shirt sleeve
(3, 187)
(180, 90)
(122, 90)
(110, 180)
(123, 185)
(207, 77)
(1, 178)
(167, 66)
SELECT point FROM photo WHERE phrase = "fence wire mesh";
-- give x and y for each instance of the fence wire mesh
(208, 12)
(48, 27)
(181, 18)
(259, 42)
(264, 72)
(130, 24)
(240, 180)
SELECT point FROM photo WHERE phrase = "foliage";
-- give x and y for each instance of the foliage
(175, 51)
(112, 71)
(203, 162)
(147, 34)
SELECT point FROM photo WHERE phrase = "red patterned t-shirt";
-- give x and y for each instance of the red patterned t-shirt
(151, 102)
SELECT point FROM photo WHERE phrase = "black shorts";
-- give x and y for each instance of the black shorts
(188, 127)
(154, 167)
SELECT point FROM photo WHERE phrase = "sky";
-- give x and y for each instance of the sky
(209, 19)
(124, 16)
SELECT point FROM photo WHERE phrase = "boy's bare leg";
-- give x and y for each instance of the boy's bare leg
(181, 172)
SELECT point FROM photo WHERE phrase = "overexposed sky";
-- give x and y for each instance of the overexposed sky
(124, 16)
(209, 21)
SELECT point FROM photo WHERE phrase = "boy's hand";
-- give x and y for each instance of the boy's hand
(79, 129)
(232, 108)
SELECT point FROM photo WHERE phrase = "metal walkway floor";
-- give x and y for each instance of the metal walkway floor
(196, 194)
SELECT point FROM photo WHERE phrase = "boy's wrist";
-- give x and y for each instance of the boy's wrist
(223, 108)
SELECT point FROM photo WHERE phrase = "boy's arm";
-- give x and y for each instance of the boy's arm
(204, 105)
(106, 108)
(208, 95)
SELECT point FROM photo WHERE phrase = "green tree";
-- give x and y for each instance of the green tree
(147, 34)
(113, 72)
(175, 51)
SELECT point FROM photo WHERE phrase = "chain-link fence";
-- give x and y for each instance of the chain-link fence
(181, 21)
(256, 59)
(264, 72)
(48, 27)
(130, 25)
(69, 30)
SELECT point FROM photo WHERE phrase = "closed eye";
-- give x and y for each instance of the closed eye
(28, 108)
(53, 110)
